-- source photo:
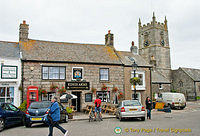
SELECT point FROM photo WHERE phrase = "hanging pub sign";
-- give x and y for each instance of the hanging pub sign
(77, 73)
(8, 72)
(78, 85)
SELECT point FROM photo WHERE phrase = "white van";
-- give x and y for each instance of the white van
(174, 100)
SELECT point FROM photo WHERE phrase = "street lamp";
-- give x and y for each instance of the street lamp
(134, 66)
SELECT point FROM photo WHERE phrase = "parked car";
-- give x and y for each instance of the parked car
(174, 100)
(10, 115)
(37, 113)
(130, 109)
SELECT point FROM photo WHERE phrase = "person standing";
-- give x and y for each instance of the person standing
(54, 111)
(97, 103)
(148, 107)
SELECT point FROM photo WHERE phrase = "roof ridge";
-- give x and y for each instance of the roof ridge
(67, 42)
(183, 69)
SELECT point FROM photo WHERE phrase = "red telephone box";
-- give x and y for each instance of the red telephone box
(32, 95)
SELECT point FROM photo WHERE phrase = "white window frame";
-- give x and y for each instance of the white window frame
(49, 73)
(139, 87)
(105, 96)
(82, 72)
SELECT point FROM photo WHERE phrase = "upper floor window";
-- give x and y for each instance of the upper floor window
(49, 72)
(104, 74)
(141, 75)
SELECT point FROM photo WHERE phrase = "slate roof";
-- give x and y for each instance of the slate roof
(71, 52)
(9, 50)
(157, 77)
(193, 73)
(127, 62)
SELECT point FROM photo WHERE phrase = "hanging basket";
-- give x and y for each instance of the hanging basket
(135, 80)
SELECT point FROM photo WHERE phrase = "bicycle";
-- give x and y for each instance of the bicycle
(92, 117)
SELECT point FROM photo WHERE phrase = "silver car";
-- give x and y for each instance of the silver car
(130, 109)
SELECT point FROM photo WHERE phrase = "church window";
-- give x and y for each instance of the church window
(162, 42)
(180, 83)
(146, 41)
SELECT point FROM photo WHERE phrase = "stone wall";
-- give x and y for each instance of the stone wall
(183, 83)
(197, 88)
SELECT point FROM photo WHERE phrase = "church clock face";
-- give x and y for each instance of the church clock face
(162, 42)
(146, 43)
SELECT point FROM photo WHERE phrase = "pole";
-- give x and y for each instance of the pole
(134, 87)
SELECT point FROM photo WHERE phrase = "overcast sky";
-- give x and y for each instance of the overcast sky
(87, 21)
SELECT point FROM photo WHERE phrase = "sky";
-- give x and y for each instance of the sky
(87, 21)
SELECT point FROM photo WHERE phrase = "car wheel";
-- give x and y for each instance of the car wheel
(143, 118)
(2, 124)
(28, 125)
(23, 121)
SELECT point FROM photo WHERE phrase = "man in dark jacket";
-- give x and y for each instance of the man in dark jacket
(148, 107)
(54, 111)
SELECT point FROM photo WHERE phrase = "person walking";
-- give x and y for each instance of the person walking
(97, 103)
(54, 112)
(148, 107)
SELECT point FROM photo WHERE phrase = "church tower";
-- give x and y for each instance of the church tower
(154, 45)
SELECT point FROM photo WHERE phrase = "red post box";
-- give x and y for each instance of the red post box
(32, 95)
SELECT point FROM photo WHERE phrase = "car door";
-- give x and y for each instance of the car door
(15, 112)
(9, 117)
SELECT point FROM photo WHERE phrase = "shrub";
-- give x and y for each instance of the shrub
(198, 97)
(23, 106)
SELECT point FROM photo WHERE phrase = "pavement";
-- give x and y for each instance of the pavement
(191, 106)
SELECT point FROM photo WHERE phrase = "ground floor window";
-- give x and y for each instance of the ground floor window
(47, 97)
(104, 96)
(138, 96)
(88, 97)
(7, 94)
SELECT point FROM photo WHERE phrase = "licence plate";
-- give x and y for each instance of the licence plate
(176, 102)
(36, 119)
(132, 109)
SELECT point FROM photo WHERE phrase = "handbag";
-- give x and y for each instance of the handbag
(50, 120)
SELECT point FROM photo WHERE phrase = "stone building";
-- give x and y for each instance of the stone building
(46, 63)
(187, 81)
(154, 48)
(10, 73)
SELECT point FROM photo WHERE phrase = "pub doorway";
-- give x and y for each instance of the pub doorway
(77, 102)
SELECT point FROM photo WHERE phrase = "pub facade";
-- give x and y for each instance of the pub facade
(84, 70)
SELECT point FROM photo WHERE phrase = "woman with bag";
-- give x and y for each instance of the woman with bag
(54, 113)
(148, 107)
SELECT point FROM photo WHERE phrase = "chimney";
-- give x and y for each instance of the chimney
(134, 49)
(23, 31)
(109, 39)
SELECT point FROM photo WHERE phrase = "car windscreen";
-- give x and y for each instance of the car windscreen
(132, 103)
(39, 105)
